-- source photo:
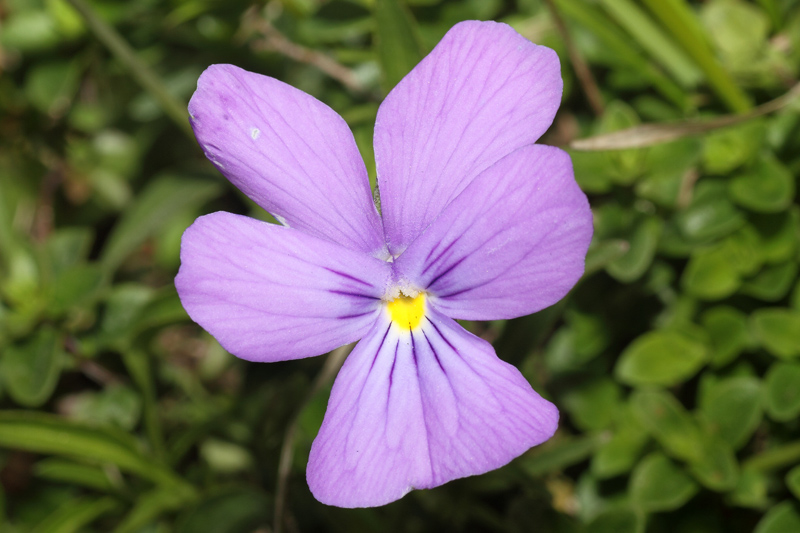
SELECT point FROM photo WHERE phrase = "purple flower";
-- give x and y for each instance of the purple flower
(478, 223)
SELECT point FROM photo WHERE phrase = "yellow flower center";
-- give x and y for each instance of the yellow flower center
(407, 312)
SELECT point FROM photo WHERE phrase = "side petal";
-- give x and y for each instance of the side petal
(289, 152)
(512, 243)
(483, 92)
(271, 293)
(414, 410)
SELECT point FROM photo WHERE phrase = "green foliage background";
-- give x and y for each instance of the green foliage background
(675, 361)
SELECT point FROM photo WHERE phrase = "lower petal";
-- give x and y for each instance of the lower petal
(412, 410)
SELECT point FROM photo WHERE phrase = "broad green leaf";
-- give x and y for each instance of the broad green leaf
(591, 171)
(51, 86)
(623, 166)
(793, 481)
(767, 187)
(782, 518)
(751, 489)
(717, 468)
(709, 219)
(772, 283)
(82, 475)
(728, 332)
(165, 197)
(669, 423)
(779, 235)
(777, 329)
(744, 251)
(660, 358)
(639, 256)
(67, 247)
(670, 168)
(76, 515)
(617, 521)
(730, 148)
(710, 275)
(559, 453)
(593, 405)
(75, 286)
(30, 371)
(48, 434)
(115, 406)
(602, 253)
(737, 29)
(235, 510)
(782, 391)
(658, 484)
(397, 41)
(618, 455)
(732, 407)
(152, 505)
(30, 30)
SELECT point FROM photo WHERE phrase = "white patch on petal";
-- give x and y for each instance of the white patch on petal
(280, 218)
(254, 133)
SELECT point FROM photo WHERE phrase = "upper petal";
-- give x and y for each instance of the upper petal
(289, 152)
(271, 293)
(483, 92)
(413, 410)
(512, 243)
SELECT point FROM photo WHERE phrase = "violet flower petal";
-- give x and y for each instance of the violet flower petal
(289, 152)
(510, 244)
(271, 293)
(415, 410)
(483, 92)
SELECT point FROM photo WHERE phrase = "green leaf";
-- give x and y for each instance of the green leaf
(670, 168)
(623, 166)
(72, 473)
(782, 391)
(617, 521)
(710, 275)
(658, 484)
(777, 328)
(43, 433)
(232, 511)
(717, 469)
(709, 219)
(618, 455)
(779, 235)
(67, 247)
(75, 515)
(75, 286)
(559, 453)
(652, 39)
(669, 423)
(767, 187)
(397, 41)
(31, 370)
(51, 86)
(593, 405)
(116, 406)
(738, 30)
(782, 518)
(660, 358)
(727, 329)
(751, 489)
(772, 283)
(152, 505)
(639, 256)
(677, 16)
(727, 149)
(163, 199)
(732, 407)
(793, 481)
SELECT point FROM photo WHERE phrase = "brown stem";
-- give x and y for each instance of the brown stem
(582, 71)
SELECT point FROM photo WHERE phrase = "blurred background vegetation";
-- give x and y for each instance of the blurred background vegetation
(675, 361)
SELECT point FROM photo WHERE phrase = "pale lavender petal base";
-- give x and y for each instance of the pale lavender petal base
(289, 152)
(483, 92)
(512, 243)
(270, 293)
(412, 411)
